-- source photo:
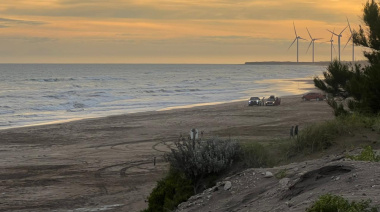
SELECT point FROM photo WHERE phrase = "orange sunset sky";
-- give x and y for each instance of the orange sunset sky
(171, 31)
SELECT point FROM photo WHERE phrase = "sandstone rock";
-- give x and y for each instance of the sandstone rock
(196, 197)
(227, 185)
(289, 204)
(284, 182)
(268, 174)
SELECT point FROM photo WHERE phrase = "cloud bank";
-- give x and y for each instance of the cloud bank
(172, 30)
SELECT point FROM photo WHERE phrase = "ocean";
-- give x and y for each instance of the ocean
(33, 94)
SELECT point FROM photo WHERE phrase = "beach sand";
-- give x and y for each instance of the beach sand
(107, 163)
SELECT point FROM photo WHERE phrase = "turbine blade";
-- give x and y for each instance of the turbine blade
(349, 25)
(309, 33)
(343, 30)
(292, 43)
(334, 48)
(302, 38)
(333, 33)
(295, 31)
(347, 42)
(309, 47)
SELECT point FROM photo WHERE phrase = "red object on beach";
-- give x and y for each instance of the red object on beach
(310, 96)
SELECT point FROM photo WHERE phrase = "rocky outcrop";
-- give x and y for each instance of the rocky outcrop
(291, 187)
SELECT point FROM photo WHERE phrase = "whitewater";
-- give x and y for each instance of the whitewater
(32, 94)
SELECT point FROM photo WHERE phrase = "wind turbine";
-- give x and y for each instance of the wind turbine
(332, 45)
(311, 42)
(339, 36)
(353, 46)
(297, 38)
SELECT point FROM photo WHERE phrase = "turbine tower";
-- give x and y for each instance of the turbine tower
(353, 45)
(339, 36)
(332, 45)
(311, 42)
(297, 38)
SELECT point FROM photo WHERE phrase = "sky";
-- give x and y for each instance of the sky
(172, 31)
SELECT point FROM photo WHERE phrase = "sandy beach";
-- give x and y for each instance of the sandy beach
(107, 163)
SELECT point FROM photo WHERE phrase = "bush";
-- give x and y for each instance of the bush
(366, 155)
(320, 136)
(169, 192)
(281, 174)
(255, 155)
(356, 120)
(191, 163)
(333, 203)
(200, 159)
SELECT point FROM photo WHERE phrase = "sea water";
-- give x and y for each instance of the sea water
(33, 94)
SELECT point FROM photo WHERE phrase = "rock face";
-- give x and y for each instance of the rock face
(301, 184)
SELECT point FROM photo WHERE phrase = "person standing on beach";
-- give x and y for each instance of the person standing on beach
(291, 132)
(296, 131)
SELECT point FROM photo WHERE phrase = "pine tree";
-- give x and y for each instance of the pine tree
(361, 85)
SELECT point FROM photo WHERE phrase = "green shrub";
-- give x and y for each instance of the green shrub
(281, 174)
(169, 192)
(356, 120)
(191, 164)
(200, 159)
(255, 155)
(320, 136)
(333, 203)
(367, 154)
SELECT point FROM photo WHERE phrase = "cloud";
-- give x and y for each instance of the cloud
(191, 10)
(8, 22)
(30, 39)
(141, 30)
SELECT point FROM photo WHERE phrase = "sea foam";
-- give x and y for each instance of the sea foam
(41, 93)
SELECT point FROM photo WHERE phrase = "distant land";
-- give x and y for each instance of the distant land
(321, 63)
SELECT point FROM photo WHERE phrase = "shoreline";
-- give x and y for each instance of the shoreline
(121, 114)
(319, 63)
(279, 84)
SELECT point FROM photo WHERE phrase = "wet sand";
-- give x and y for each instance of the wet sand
(107, 163)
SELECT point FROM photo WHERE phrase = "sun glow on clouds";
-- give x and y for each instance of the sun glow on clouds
(166, 31)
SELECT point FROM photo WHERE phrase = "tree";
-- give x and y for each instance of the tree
(361, 85)
(370, 38)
